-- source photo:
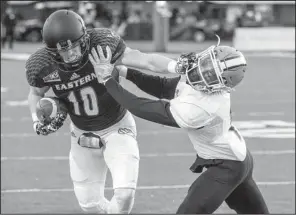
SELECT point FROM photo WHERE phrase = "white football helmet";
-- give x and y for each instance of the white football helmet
(215, 69)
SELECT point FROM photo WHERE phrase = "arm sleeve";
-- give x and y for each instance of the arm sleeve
(160, 87)
(157, 111)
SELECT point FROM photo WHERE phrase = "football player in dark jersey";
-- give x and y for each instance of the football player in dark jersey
(199, 104)
(103, 133)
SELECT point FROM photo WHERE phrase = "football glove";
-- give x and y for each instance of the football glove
(55, 124)
(184, 61)
(102, 65)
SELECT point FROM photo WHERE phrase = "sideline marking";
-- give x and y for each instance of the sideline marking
(147, 155)
(158, 187)
(25, 118)
(251, 129)
(17, 103)
(4, 89)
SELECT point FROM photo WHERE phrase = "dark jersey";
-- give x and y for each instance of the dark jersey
(90, 106)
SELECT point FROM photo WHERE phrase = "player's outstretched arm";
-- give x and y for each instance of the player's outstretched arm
(157, 111)
(153, 110)
(160, 87)
(153, 62)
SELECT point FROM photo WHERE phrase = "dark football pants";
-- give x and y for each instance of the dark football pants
(224, 180)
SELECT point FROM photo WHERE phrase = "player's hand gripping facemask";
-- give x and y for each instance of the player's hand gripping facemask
(102, 66)
(42, 128)
(184, 61)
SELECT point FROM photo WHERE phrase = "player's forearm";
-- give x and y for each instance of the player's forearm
(33, 100)
(34, 96)
(153, 110)
(161, 64)
(153, 62)
(160, 87)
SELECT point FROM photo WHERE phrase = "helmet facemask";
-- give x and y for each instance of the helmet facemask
(72, 55)
(205, 73)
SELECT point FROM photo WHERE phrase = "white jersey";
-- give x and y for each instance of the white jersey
(207, 120)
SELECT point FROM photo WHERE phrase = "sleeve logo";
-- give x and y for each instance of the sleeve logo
(52, 77)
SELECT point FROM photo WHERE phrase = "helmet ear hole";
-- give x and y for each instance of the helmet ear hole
(83, 43)
(224, 80)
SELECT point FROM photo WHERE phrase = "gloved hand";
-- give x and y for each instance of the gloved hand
(184, 62)
(55, 124)
(102, 65)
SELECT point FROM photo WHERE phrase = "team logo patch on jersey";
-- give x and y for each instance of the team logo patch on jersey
(73, 134)
(74, 76)
(113, 34)
(126, 131)
(52, 77)
(177, 93)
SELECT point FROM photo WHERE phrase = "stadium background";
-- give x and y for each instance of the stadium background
(34, 170)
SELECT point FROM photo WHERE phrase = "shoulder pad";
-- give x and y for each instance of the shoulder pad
(188, 114)
(35, 67)
(106, 37)
(185, 93)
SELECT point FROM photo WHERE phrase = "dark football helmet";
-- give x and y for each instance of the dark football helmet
(64, 34)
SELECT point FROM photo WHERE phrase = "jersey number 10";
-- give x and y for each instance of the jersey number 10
(90, 102)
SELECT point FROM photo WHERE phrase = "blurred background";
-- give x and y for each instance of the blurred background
(196, 21)
(35, 170)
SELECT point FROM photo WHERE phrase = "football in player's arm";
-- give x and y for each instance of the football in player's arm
(34, 96)
(130, 57)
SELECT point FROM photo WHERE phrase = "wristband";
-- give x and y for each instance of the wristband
(172, 66)
(34, 117)
(106, 79)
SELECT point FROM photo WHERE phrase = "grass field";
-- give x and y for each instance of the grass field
(35, 171)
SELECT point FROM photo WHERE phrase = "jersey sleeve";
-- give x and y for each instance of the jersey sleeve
(160, 87)
(36, 68)
(107, 37)
(157, 111)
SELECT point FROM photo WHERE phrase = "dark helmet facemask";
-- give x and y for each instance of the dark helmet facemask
(66, 39)
(72, 56)
(71, 53)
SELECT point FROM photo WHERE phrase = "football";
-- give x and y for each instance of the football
(48, 108)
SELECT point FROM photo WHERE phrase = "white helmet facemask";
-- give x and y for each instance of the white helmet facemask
(205, 73)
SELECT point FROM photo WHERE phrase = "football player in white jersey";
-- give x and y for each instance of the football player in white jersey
(199, 104)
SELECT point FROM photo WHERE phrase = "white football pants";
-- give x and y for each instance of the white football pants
(88, 168)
